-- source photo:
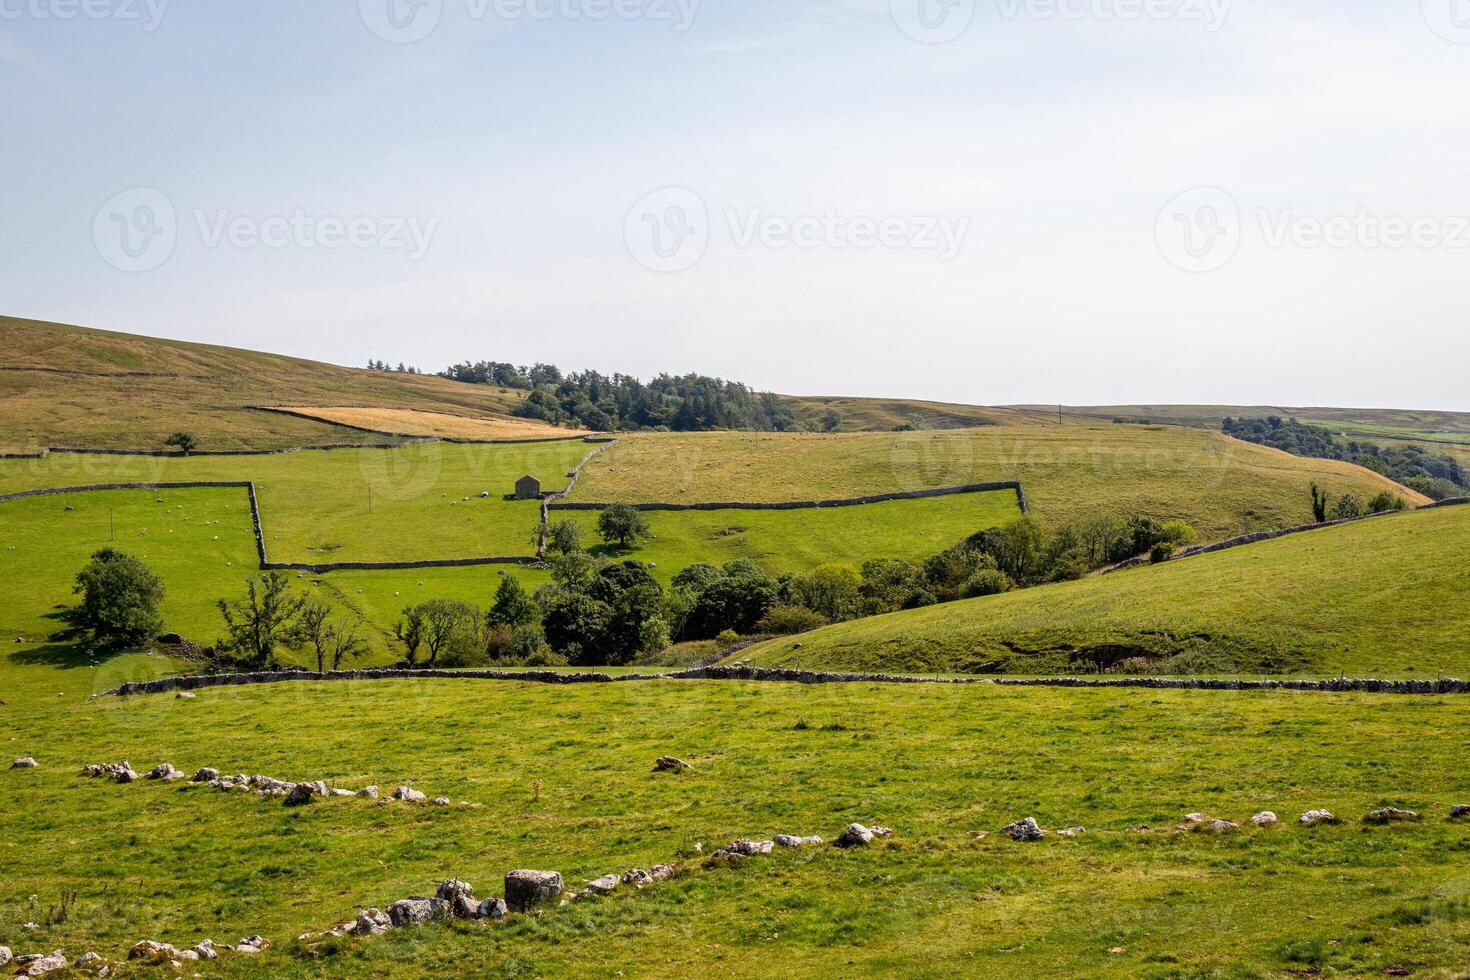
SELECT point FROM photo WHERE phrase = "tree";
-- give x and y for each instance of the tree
(563, 537)
(410, 632)
(120, 598)
(330, 641)
(445, 622)
(263, 620)
(513, 605)
(184, 441)
(1348, 506)
(622, 524)
(831, 590)
(574, 624)
(1319, 505)
(831, 420)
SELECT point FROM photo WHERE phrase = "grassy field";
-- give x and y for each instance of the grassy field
(1382, 597)
(1220, 485)
(936, 764)
(411, 422)
(73, 386)
(314, 505)
(200, 541)
(800, 540)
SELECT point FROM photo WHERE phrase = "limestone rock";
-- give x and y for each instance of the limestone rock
(790, 840)
(1391, 815)
(1460, 811)
(252, 944)
(372, 922)
(88, 961)
(637, 877)
(185, 696)
(1072, 832)
(417, 911)
(303, 793)
(206, 775)
(55, 960)
(164, 771)
(1314, 817)
(441, 801)
(369, 792)
(205, 949)
(124, 774)
(660, 872)
(1265, 819)
(25, 762)
(1024, 830)
(881, 831)
(668, 763)
(751, 848)
(492, 908)
(409, 795)
(524, 890)
(6, 955)
(338, 791)
(1220, 826)
(605, 885)
(461, 898)
(151, 952)
(856, 835)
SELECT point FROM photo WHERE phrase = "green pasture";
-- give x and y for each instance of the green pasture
(416, 502)
(800, 540)
(939, 765)
(1222, 486)
(1386, 596)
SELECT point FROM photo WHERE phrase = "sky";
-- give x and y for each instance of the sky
(978, 201)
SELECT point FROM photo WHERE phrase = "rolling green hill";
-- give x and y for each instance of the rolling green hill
(1387, 596)
(74, 386)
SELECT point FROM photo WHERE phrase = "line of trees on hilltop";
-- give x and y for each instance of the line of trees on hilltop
(608, 403)
(1435, 475)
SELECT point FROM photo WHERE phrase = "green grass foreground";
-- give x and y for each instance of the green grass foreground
(936, 764)
(1385, 597)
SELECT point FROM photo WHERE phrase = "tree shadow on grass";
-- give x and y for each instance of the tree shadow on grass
(62, 648)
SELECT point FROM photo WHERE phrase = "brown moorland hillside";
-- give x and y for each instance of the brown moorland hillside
(75, 386)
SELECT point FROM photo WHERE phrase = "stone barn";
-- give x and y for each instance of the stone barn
(528, 488)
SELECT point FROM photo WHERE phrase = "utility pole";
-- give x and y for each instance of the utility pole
(111, 527)
(370, 498)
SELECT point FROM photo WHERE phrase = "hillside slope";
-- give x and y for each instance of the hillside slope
(74, 386)
(1381, 597)
(1220, 485)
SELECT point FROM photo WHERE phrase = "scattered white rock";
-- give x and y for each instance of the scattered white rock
(206, 775)
(25, 762)
(668, 763)
(152, 952)
(164, 771)
(417, 911)
(441, 801)
(1024, 830)
(409, 795)
(790, 840)
(1314, 817)
(525, 889)
(372, 922)
(493, 908)
(461, 898)
(1072, 832)
(1460, 811)
(1391, 815)
(186, 696)
(751, 848)
(369, 792)
(856, 835)
(55, 960)
(1265, 819)
(6, 955)
(303, 793)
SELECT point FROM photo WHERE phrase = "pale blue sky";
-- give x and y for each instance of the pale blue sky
(498, 161)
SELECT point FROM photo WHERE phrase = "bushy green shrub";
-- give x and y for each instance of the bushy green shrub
(786, 620)
(1161, 552)
(989, 581)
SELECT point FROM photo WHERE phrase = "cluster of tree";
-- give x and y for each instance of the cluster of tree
(400, 369)
(607, 403)
(1433, 474)
(120, 601)
(1350, 505)
(272, 616)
